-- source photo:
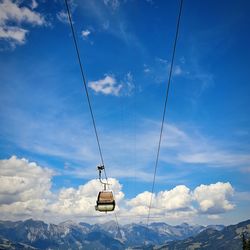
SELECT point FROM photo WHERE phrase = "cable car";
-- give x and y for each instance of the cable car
(105, 199)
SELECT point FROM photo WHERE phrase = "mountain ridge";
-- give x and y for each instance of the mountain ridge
(72, 235)
(229, 238)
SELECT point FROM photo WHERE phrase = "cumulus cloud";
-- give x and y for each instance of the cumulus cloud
(141, 199)
(11, 11)
(214, 198)
(165, 202)
(26, 192)
(180, 201)
(107, 86)
(13, 33)
(85, 33)
(81, 201)
(12, 16)
(178, 198)
(23, 181)
(175, 199)
(25, 189)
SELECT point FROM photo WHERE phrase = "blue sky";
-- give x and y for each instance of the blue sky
(126, 47)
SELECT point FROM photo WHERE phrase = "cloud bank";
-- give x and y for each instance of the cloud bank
(26, 192)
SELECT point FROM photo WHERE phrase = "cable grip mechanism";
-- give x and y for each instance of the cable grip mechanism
(100, 169)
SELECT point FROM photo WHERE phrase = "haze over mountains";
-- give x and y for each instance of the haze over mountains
(32, 234)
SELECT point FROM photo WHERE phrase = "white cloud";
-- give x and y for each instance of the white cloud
(10, 11)
(107, 86)
(62, 16)
(169, 202)
(26, 192)
(178, 198)
(25, 189)
(12, 16)
(13, 33)
(142, 199)
(181, 202)
(214, 198)
(85, 34)
(23, 181)
(81, 201)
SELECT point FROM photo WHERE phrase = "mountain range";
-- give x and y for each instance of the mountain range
(31, 234)
(229, 238)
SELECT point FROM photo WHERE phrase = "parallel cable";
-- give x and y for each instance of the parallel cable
(164, 111)
(85, 86)
(88, 98)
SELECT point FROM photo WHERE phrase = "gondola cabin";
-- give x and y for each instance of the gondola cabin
(105, 201)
